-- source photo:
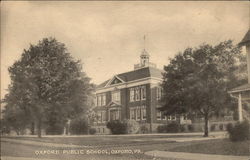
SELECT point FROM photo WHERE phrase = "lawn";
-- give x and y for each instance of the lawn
(108, 140)
(221, 147)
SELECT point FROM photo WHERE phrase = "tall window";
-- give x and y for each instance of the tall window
(143, 92)
(116, 96)
(143, 113)
(137, 93)
(173, 118)
(99, 100)
(133, 113)
(132, 94)
(158, 115)
(114, 115)
(103, 116)
(159, 92)
(138, 113)
(103, 99)
(99, 117)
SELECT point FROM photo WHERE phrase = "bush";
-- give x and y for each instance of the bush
(182, 128)
(229, 127)
(190, 128)
(212, 128)
(79, 126)
(239, 132)
(144, 129)
(117, 127)
(132, 126)
(54, 129)
(92, 131)
(221, 127)
(173, 127)
(169, 128)
(162, 129)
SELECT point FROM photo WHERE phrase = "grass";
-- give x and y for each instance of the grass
(106, 140)
(220, 147)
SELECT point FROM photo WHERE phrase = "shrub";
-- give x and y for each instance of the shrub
(239, 132)
(182, 128)
(92, 131)
(173, 127)
(132, 126)
(229, 127)
(221, 127)
(54, 129)
(117, 127)
(190, 128)
(212, 128)
(79, 126)
(169, 128)
(162, 129)
(144, 129)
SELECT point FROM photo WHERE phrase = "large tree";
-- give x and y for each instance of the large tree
(197, 80)
(47, 85)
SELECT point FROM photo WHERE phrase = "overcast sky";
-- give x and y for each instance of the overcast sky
(108, 36)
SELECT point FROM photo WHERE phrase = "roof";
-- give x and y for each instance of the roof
(246, 38)
(245, 87)
(136, 75)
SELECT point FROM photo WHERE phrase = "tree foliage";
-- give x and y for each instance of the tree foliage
(197, 80)
(48, 85)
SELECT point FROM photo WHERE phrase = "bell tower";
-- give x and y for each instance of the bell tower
(144, 58)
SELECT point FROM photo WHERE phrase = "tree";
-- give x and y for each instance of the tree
(48, 85)
(197, 80)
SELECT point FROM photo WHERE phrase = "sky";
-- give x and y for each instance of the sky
(108, 36)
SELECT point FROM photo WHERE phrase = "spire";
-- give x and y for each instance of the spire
(144, 57)
(144, 52)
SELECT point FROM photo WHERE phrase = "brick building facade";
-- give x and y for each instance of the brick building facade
(131, 95)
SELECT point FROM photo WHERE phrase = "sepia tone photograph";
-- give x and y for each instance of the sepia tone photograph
(125, 80)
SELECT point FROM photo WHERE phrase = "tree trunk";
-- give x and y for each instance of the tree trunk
(206, 126)
(39, 128)
(32, 128)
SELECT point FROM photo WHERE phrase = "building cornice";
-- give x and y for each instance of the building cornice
(147, 80)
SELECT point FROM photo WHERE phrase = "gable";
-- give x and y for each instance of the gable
(115, 81)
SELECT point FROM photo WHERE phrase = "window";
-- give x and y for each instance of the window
(96, 102)
(185, 117)
(173, 118)
(103, 100)
(137, 94)
(132, 94)
(114, 115)
(138, 113)
(143, 113)
(99, 116)
(143, 92)
(169, 118)
(99, 100)
(164, 117)
(158, 115)
(116, 96)
(103, 116)
(133, 113)
(159, 92)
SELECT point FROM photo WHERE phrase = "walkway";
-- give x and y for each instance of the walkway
(194, 156)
